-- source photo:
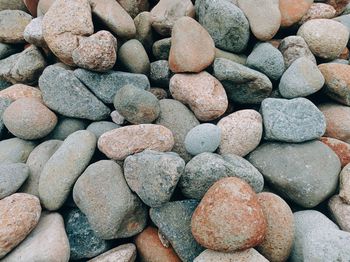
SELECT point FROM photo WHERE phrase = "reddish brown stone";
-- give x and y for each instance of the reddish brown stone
(159, 93)
(32, 6)
(318, 10)
(341, 148)
(151, 249)
(293, 10)
(339, 5)
(229, 217)
(344, 54)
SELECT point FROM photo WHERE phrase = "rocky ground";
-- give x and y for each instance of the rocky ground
(174, 130)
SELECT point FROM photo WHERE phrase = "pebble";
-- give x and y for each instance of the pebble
(64, 24)
(229, 217)
(105, 85)
(119, 143)
(117, 118)
(133, 57)
(136, 105)
(326, 38)
(279, 238)
(337, 81)
(113, 15)
(12, 176)
(29, 119)
(341, 148)
(294, 47)
(66, 126)
(248, 255)
(150, 248)
(153, 175)
(340, 212)
(144, 31)
(203, 138)
(15, 150)
(36, 162)
(180, 120)
(192, 48)
(226, 24)
(122, 253)
(83, 241)
(338, 121)
(96, 52)
(103, 195)
(173, 220)
(344, 184)
(160, 73)
(101, 127)
(266, 59)
(264, 18)
(134, 7)
(318, 10)
(242, 84)
(293, 11)
(33, 33)
(12, 25)
(19, 91)
(204, 94)
(7, 49)
(4, 103)
(296, 120)
(65, 94)
(20, 214)
(241, 132)
(302, 78)
(161, 48)
(238, 58)
(64, 167)
(47, 242)
(167, 12)
(310, 170)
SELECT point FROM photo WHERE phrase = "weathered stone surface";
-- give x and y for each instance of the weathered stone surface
(15, 150)
(339, 5)
(340, 212)
(310, 170)
(318, 10)
(122, 253)
(12, 25)
(12, 177)
(248, 255)
(293, 10)
(341, 148)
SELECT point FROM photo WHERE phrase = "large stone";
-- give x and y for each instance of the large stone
(64, 167)
(293, 10)
(12, 25)
(310, 170)
(15, 150)
(64, 93)
(12, 177)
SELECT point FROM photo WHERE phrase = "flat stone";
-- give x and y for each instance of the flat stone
(64, 167)
(292, 11)
(341, 148)
(340, 211)
(66, 126)
(12, 177)
(153, 176)
(19, 91)
(122, 253)
(296, 120)
(310, 170)
(344, 184)
(242, 84)
(248, 255)
(12, 25)
(15, 150)
(64, 93)
(101, 127)
(105, 85)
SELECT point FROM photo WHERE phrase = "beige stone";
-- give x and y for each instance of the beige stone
(123, 253)
(340, 211)
(12, 25)
(249, 255)
(18, 91)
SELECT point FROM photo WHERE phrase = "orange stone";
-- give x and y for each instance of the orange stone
(293, 10)
(341, 148)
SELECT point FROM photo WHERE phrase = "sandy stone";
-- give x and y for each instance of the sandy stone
(229, 217)
(204, 94)
(318, 10)
(151, 249)
(344, 184)
(241, 132)
(192, 48)
(19, 215)
(341, 148)
(64, 22)
(293, 10)
(119, 143)
(167, 12)
(18, 91)
(12, 25)
(249, 255)
(279, 238)
(123, 253)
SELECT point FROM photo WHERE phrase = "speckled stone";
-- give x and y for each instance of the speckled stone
(15, 150)
(12, 25)
(66, 126)
(18, 91)
(12, 177)
(340, 212)
(318, 10)
(33, 33)
(160, 73)
(161, 48)
(341, 148)
(134, 7)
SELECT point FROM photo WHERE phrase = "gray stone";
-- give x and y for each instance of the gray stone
(242, 84)
(296, 120)
(153, 175)
(180, 120)
(4, 103)
(12, 177)
(12, 25)
(226, 24)
(203, 138)
(144, 32)
(294, 47)
(6, 50)
(98, 128)
(24, 67)
(160, 73)
(33, 32)
(65, 94)
(136, 105)
(83, 241)
(15, 150)
(103, 195)
(64, 167)
(106, 85)
(66, 126)
(266, 59)
(174, 222)
(36, 162)
(305, 173)
(340, 61)
(344, 19)
(238, 58)
(302, 78)
(161, 48)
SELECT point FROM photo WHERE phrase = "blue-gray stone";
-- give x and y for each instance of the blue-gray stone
(296, 120)
(66, 126)
(174, 222)
(225, 22)
(344, 19)
(4, 103)
(4, 84)
(267, 59)
(160, 73)
(15, 150)
(106, 85)
(161, 48)
(65, 94)
(12, 176)
(7, 50)
(83, 241)
(101, 127)
(306, 173)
